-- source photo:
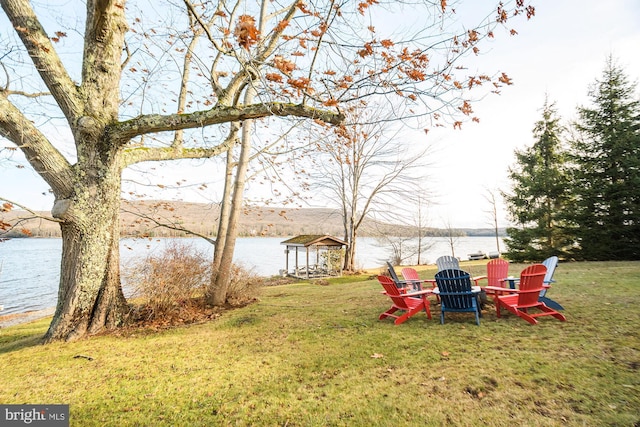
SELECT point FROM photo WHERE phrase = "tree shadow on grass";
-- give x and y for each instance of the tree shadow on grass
(18, 337)
(20, 343)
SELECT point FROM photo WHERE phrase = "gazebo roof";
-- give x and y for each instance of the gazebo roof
(306, 240)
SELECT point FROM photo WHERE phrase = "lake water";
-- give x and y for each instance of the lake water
(29, 268)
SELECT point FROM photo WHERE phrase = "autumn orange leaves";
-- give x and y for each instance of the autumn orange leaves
(369, 62)
(5, 207)
(246, 32)
(5, 226)
(503, 15)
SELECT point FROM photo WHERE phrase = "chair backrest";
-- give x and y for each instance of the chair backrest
(393, 292)
(454, 287)
(447, 262)
(394, 275)
(497, 270)
(531, 281)
(551, 263)
(410, 275)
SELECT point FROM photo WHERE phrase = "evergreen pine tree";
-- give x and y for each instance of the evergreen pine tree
(606, 172)
(539, 194)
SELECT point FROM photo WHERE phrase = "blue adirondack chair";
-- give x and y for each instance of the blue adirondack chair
(456, 293)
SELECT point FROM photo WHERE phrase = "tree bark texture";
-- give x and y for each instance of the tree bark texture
(90, 297)
(223, 221)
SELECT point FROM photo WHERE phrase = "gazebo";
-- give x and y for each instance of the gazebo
(325, 264)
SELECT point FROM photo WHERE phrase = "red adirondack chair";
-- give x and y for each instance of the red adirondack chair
(410, 303)
(526, 296)
(410, 275)
(497, 271)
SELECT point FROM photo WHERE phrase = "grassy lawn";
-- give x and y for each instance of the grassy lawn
(313, 355)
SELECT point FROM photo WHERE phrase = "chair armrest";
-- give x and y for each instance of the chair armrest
(476, 279)
(498, 289)
(423, 292)
(512, 281)
(474, 290)
(432, 282)
(402, 291)
(511, 291)
(412, 281)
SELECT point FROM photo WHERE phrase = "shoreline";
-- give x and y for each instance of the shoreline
(14, 319)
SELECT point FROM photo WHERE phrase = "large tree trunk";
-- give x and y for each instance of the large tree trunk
(90, 297)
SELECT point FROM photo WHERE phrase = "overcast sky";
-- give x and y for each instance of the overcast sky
(560, 52)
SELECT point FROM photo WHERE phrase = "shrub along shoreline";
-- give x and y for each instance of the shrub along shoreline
(307, 354)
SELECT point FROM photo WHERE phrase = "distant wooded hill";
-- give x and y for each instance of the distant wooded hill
(169, 219)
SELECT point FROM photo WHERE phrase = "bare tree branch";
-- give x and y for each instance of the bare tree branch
(44, 56)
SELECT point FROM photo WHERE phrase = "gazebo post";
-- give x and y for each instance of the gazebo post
(286, 264)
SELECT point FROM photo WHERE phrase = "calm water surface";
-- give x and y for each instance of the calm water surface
(29, 268)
